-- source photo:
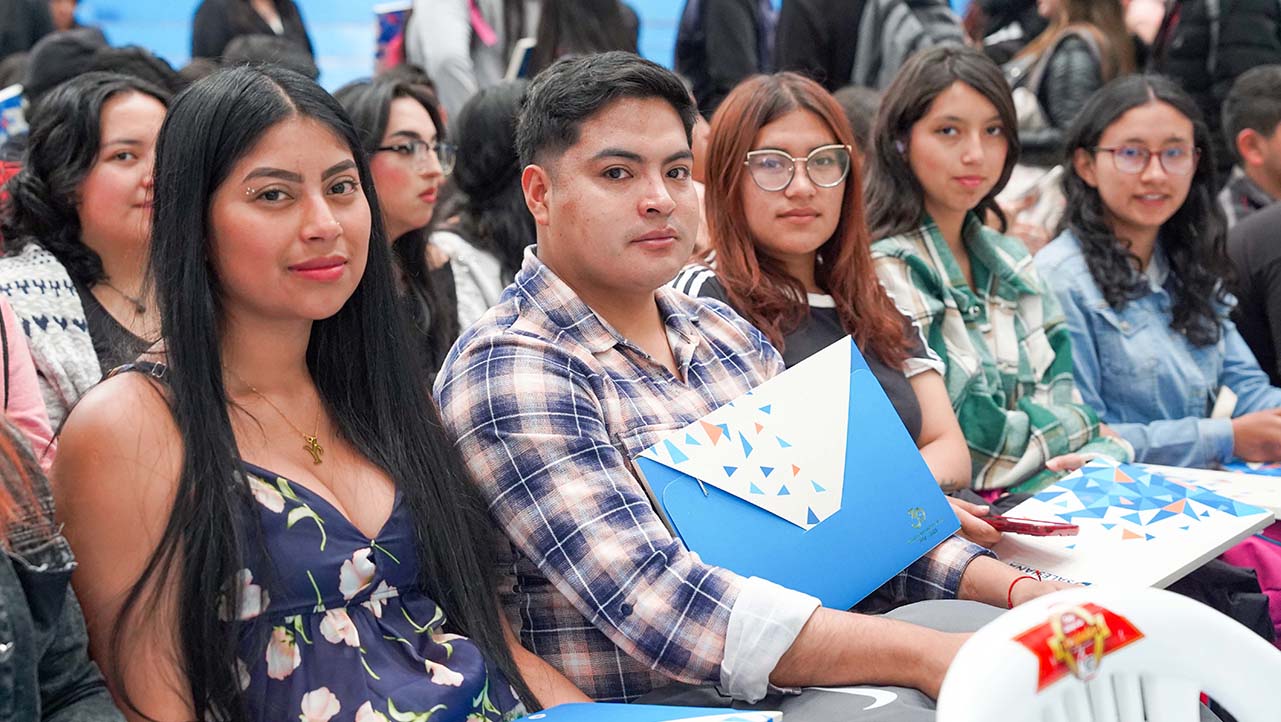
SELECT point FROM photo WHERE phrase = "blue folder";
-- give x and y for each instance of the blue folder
(892, 510)
(585, 712)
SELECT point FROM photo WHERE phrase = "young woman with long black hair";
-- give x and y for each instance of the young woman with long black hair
(1139, 271)
(944, 145)
(403, 133)
(272, 522)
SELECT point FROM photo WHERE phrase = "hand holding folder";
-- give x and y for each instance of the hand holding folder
(809, 481)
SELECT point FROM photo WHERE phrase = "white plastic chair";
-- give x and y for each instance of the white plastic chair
(1186, 648)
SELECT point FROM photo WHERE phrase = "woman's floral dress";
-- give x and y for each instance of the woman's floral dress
(348, 634)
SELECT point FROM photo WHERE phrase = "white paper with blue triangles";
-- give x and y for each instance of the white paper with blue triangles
(777, 447)
(1138, 528)
(809, 481)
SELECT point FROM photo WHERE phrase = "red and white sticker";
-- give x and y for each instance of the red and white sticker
(1075, 640)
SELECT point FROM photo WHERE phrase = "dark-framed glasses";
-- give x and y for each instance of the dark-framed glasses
(416, 151)
(773, 170)
(1134, 159)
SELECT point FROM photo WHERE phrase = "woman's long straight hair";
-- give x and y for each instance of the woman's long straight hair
(1194, 239)
(435, 315)
(895, 199)
(1105, 19)
(363, 370)
(759, 286)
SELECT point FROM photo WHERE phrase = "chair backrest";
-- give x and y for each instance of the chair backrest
(1115, 655)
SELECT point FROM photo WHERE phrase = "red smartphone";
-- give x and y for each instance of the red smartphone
(1031, 527)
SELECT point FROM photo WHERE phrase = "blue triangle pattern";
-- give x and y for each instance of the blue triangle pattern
(767, 470)
(689, 439)
(729, 470)
(783, 444)
(747, 448)
(766, 408)
(817, 487)
(810, 518)
(754, 489)
(782, 491)
(677, 455)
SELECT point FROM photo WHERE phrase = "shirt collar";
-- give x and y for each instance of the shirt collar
(1244, 186)
(539, 286)
(1014, 272)
(1158, 269)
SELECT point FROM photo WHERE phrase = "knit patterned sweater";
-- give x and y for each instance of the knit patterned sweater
(53, 318)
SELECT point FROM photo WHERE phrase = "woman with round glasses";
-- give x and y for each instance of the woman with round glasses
(785, 210)
(402, 131)
(1139, 271)
(943, 147)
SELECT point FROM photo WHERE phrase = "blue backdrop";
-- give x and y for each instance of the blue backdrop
(342, 30)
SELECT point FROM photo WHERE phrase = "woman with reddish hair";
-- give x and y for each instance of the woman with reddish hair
(45, 671)
(791, 253)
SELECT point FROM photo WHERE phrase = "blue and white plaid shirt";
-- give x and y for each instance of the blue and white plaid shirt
(550, 404)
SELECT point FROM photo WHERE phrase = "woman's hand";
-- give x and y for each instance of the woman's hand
(1257, 436)
(972, 525)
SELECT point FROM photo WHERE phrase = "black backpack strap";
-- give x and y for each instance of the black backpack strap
(155, 370)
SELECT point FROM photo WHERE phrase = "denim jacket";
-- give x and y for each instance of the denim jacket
(45, 671)
(1147, 381)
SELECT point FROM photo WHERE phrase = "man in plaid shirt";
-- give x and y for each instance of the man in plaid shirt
(587, 359)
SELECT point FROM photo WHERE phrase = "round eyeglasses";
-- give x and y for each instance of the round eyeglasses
(1134, 159)
(416, 151)
(773, 170)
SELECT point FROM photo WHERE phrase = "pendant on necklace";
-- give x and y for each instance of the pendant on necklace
(314, 448)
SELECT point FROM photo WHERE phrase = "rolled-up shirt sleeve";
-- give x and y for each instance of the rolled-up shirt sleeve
(530, 424)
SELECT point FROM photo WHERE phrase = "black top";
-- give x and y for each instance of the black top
(1255, 250)
(822, 329)
(113, 344)
(217, 22)
(819, 38)
(22, 23)
(719, 50)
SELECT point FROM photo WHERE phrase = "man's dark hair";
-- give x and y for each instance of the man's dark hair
(572, 90)
(1254, 102)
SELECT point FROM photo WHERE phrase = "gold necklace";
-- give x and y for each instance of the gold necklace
(311, 442)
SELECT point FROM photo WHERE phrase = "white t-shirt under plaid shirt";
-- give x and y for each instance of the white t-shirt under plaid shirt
(549, 404)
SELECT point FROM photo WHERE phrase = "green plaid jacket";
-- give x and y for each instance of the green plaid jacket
(1007, 350)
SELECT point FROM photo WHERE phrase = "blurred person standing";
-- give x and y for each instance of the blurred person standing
(860, 42)
(217, 22)
(579, 27)
(465, 45)
(22, 24)
(1003, 27)
(721, 42)
(1204, 45)
(1085, 46)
